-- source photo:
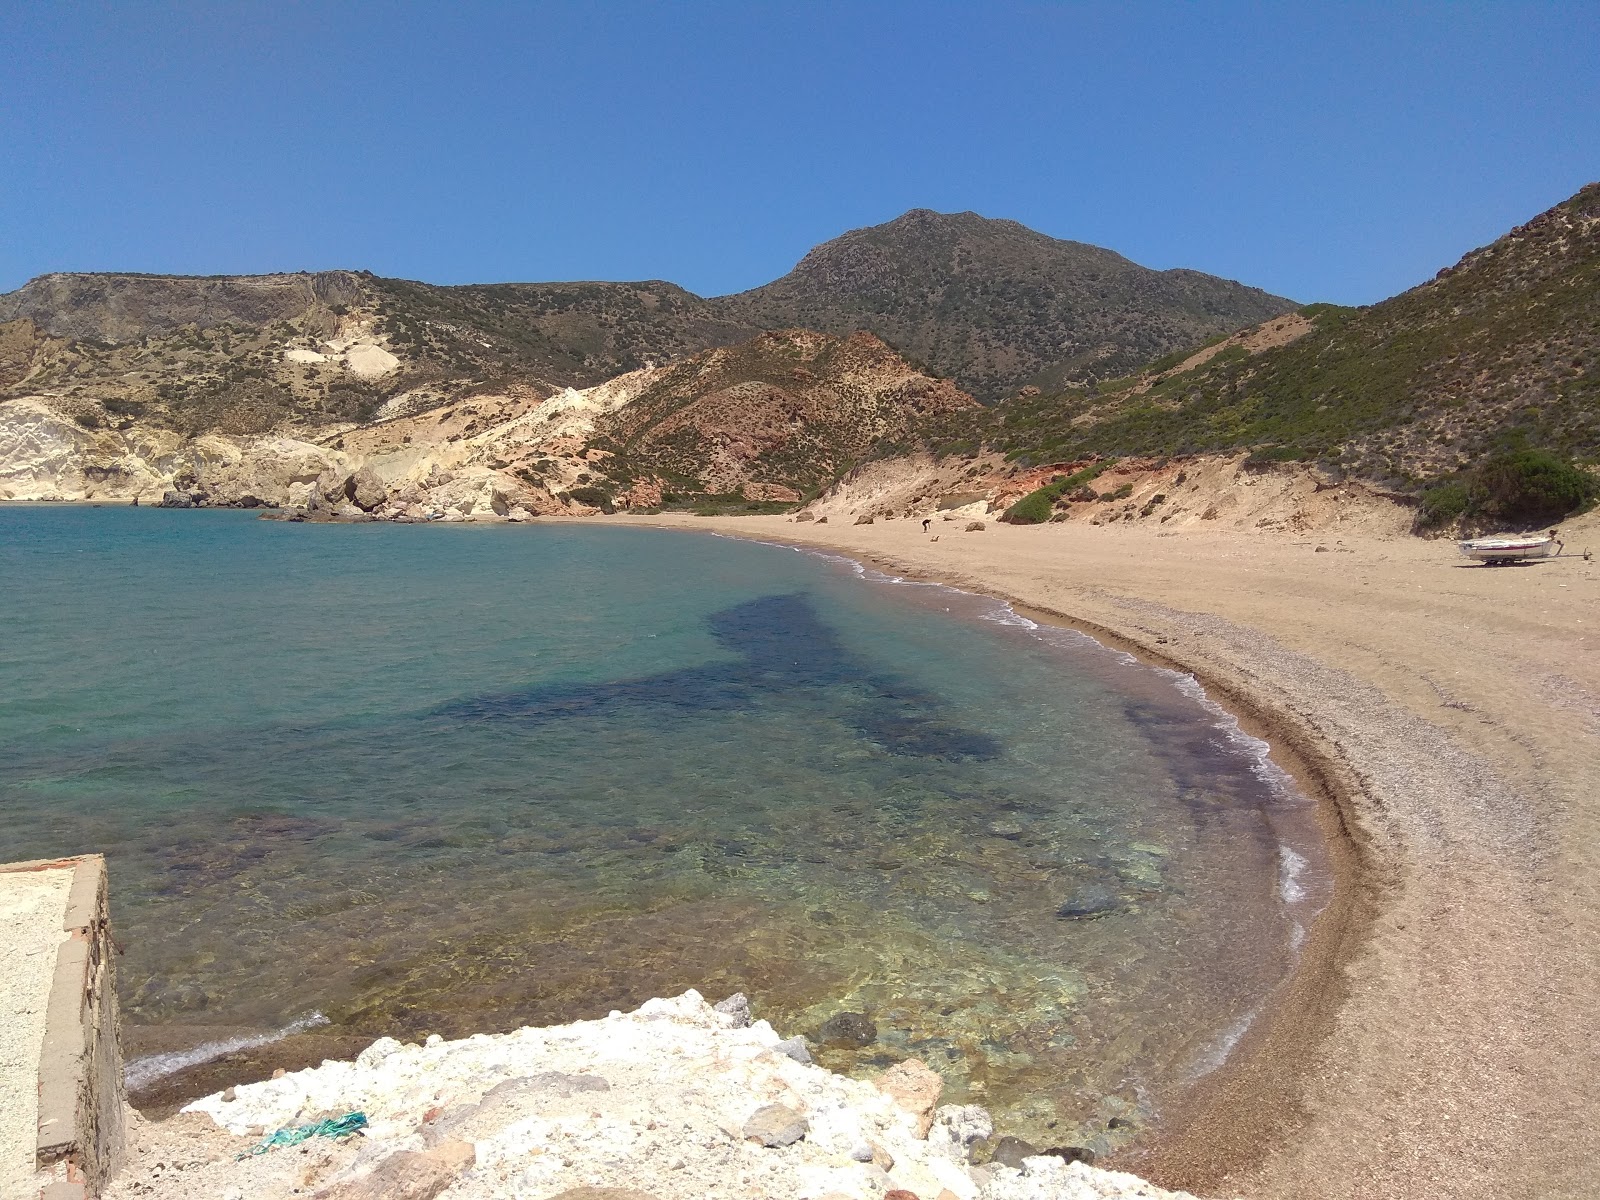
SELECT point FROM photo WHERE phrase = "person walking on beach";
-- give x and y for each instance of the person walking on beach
(926, 522)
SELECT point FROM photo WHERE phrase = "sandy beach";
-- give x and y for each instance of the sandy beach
(1440, 1039)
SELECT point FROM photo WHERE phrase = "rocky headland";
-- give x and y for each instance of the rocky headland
(678, 1100)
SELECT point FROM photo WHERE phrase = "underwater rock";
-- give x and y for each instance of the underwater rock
(1089, 903)
(1010, 1151)
(848, 1029)
(1071, 1154)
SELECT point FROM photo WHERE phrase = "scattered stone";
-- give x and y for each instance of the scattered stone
(863, 520)
(796, 1049)
(822, 520)
(848, 1029)
(1321, 550)
(915, 1088)
(365, 490)
(774, 1126)
(961, 1127)
(900, 1194)
(602, 1193)
(975, 526)
(736, 1006)
(1010, 1151)
(176, 499)
(802, 517)
(406, 1175)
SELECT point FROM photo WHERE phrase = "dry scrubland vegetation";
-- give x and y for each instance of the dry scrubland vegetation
(1478, 392)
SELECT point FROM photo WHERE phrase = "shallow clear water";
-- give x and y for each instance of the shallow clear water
(459, 778)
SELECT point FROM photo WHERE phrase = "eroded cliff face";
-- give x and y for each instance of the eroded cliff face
(775, 419)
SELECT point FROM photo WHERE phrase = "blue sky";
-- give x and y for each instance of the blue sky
(1325, 152)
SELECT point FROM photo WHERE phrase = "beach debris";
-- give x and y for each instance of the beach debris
(775, 1126)
(915, 1087)
(848, 1029)
(333, 1127)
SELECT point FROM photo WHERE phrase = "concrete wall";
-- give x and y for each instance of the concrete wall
(81, 1104)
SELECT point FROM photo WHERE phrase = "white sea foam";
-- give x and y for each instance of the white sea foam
(142, 1072)
(1214, 1055)
(1290, 867)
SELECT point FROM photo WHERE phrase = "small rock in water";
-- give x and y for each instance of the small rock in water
(848, 1029)
(775, 1125)
(1071, 1154)
(736, 1006)
(1090, 902)
(1010, 1151)
(796, 1049)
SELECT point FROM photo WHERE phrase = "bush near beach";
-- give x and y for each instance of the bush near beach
(1517, 487)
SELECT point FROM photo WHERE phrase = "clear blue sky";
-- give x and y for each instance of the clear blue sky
(1322, 151)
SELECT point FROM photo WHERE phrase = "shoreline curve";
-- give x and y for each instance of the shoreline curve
(1434, 1040)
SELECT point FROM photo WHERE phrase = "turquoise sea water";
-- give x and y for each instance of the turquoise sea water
(462, 778)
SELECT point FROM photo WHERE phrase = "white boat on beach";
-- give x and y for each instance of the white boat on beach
(1493, 551)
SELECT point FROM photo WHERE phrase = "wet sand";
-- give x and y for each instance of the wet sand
(1440, 1039)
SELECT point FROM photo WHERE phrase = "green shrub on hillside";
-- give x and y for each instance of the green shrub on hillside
(1036, 506)
(1033, 509)
(1517, 487)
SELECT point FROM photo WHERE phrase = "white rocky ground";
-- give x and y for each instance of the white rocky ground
(676, 1101)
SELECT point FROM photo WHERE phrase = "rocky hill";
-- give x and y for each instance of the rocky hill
(997, 306)
(987, 303)
(1500, 351)
(778, 416)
